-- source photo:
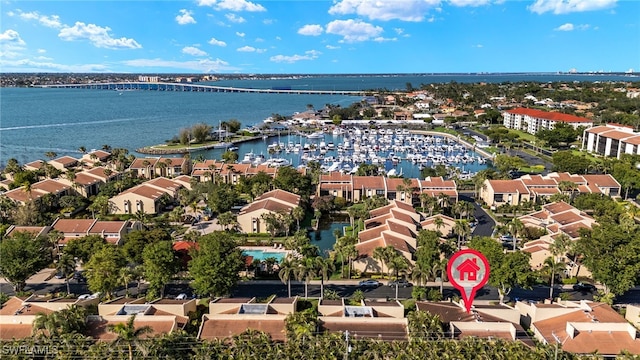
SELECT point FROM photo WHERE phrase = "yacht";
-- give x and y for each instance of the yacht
(316, 135)
(248, 158)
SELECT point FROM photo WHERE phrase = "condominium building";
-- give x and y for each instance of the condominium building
(611, 140)
(532, 121)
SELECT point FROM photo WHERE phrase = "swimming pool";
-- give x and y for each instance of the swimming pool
(264, 254)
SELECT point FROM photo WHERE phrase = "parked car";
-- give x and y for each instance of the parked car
(369, 283)
(400, 283)
(78, 277)
(584, 287)
(60, 275)
(506, 238)
(182, 296)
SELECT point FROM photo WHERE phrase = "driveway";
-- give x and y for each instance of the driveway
(486, 224)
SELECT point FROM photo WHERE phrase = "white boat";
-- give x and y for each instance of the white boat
(338, 131)
(248, 158)
(316, 135)
(278, 162)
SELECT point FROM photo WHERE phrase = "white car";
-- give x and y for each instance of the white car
(182, 296)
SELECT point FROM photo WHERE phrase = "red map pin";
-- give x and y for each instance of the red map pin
(468, 271)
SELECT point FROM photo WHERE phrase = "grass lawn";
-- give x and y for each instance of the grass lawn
(523, 135)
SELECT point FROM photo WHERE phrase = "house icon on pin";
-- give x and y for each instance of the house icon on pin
(468, 268)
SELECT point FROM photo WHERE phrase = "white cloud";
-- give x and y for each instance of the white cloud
(398, 31)
(203, 65)
(479, 46)
(235, 18)
(571, 27)
(469, 2)
(193, 51)
(11, 37)
(569, 6)
(383, 39)
(241, 34)
(308, 55)
(259, 40)
(331, 47)
(217, 42)
(353, 30)
(268, 21)
(99, 36)
(232, 5)
(26, 65)
(42, 58)
(52, 21)
(405, 10)
(41, 51)
(251, 49)
(565, 27)
(185, 17)
(311, 30)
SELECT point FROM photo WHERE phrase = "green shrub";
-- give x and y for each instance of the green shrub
(570, 281)
(418, 293)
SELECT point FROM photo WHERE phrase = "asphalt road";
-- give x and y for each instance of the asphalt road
(268, 288)
(486, 225)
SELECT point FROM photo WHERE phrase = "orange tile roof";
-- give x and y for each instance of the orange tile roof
(35, 164)
(557, 207)
(138, 163)
(573, 230)
(73, 226)
(508, 186)
(617, 135)
(50, 186)
(369, 330)
(34, 230)
(368, 182)
(602, 181)
(164, 183)
(86, 180)
(587, 342)
(599, 129)
(15, 331)
(554, 116)
(432, 182)
(566, 218)
(100, 172)
(266, 204)
(226, 328)
(538, 180)
(98, 329)
(65, 160)
(372, 233)
(633, 140)
(107, 227)
(282, 195)
(145, 190)
(396, 242)
(335, 177)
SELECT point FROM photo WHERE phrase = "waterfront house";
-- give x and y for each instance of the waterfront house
(357, 188)
(532, 121)
(64, 163)
(229, 317)
(95, 157)
(501, 192)
(34, 165)
(581, 327)
(381, 320)
(611, 140)
(251, 217)
(36, 191)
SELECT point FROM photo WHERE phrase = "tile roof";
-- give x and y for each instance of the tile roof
(599, 129)
(34, 230)
(602, 181)
(165, 183)
(138, 163)
(86, 180)
(15, 331)
(508, 186)
(554, 116)
(368, 182)
(360, 328)
(65, 160)
(633, 140)
(282, 195)
(75, 226)
(213, 328)
(617, 135)
(50, 186)
(604, 342)
(557, 207)
(107, 227)
(365, 248)
(98, 329)
(266, 204)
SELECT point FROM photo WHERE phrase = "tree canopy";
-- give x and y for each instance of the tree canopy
(21, 256)
(215, 264)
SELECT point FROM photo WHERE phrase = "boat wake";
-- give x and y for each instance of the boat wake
(68, 124)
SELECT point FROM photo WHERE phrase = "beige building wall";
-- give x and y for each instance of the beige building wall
(130, 203)
(246, 221)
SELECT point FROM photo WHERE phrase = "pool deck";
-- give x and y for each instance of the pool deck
(267, 249)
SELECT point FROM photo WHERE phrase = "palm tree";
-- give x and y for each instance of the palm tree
(298, 214)
(125, 276)
(515, 226)
(462, 229)
(66, 266)
(468, 208)
(351, 253)
(325, 268)
(287, 270)
(306, 269)
(552, 267)
(443, 200)
(419, 275)
(71, 320)
(51, 154)
(128, 333)
(352, 212)
(398, 263)
(438, 222)
(380, 255)
(568, 187)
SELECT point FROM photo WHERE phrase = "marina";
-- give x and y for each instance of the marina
(396, 152)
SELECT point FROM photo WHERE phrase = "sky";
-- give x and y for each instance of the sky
(319, 37)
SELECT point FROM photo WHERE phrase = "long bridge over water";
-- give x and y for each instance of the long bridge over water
(161, 86)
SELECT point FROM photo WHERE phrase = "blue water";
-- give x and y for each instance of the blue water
(34, 121)
(324, 238)
(263, 255)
